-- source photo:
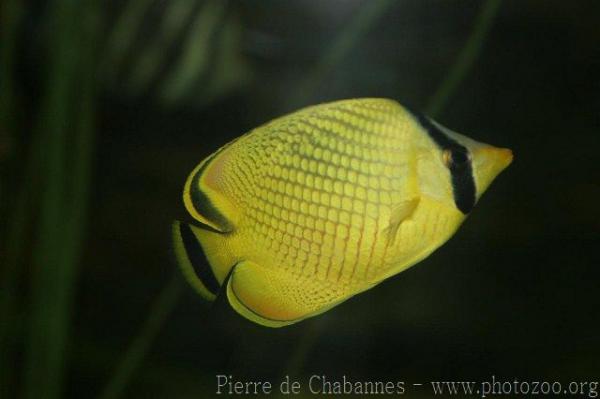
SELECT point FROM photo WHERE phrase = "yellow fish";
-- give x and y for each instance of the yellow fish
(302, 213)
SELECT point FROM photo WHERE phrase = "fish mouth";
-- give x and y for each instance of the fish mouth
(499, 157)
(505, 157)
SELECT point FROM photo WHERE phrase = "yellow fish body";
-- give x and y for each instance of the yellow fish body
(314, 207)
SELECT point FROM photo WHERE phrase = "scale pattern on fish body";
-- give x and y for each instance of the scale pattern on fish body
(314, 207)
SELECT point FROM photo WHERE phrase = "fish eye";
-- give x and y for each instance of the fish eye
(455, 157)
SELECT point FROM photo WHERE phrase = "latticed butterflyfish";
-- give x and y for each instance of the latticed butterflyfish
(302, 213)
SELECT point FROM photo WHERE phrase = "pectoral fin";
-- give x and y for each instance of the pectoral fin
(400, 213)
(275, 298)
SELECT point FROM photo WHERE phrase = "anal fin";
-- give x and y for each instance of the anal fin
(276, 297)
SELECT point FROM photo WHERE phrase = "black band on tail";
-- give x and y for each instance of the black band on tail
(198, 262)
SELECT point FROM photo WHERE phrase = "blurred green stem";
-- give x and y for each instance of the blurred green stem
(66, 116)
(12, 232)
(10, 15)
(296, 361)
(339, 48)
(121, 37)
(159, 311)
(465, 60)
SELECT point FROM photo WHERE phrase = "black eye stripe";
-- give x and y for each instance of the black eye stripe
(461, 171)
(459, 157)
(463, 188)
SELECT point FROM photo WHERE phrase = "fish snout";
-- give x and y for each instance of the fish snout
(488, 163)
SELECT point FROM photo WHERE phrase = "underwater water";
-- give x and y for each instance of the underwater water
(106, 107)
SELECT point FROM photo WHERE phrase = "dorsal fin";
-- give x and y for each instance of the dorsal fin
(203, 196)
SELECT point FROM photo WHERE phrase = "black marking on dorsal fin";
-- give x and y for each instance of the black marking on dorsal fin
(463, 182)
(205, 207)
(203, 204)
(198, 262)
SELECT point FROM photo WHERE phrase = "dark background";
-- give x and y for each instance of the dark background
(514, 294)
